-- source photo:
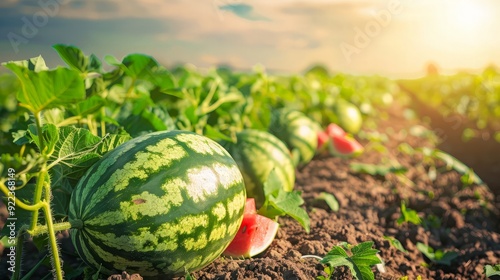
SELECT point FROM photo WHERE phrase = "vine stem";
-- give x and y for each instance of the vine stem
(52, 234)
(53, 243)
(39, 230)
(38, 123)
(43, 171)
(19, 251)
(38, 195)
(19, 203)
(103, 123)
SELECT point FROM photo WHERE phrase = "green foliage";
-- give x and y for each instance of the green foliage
(44, 89)
(396, 243)
(465, 101)
(492, 270)
(376, 169)
(359, 261)
(279, 202)
(437, 256)
(453, 163)
(58, 122)
(330, 200)
(408, 215)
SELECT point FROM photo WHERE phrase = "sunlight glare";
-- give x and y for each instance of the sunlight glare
(468, 15)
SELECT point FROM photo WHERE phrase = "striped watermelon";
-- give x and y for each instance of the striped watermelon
(257, 153)
(158, 205)
(297, 131)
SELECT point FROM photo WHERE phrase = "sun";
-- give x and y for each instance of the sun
(468, 15)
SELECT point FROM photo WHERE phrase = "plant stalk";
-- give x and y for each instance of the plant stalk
(39, 230)
(38, 123)
(58, 274)
(38, 194)
(19, 252)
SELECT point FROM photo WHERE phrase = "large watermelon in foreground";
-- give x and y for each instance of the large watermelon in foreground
(257, 153)
(159, 205)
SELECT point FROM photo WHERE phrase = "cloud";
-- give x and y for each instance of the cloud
(243, 10)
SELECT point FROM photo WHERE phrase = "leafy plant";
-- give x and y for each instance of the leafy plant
(358, 259)
(408, 215)
(492, 270)
(452, 163)
(376, 169)
(330, 200)
(396, 243)
(279, 202)
(437, 256)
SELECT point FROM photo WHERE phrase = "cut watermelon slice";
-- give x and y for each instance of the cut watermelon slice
(345, 146)
(255, 234)
(334, 130)
(250, 206)
(323, 139)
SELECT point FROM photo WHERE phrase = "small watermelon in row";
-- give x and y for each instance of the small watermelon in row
(297, 131)
(257, 153)
(255, 234)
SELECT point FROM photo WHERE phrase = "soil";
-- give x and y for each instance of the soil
(462, 219)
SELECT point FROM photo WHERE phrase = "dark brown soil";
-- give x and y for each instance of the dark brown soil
(369, 208)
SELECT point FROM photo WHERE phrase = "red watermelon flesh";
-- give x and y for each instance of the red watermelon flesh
(323, 138)
(334, 130)
(255, 234)
(250, 206)
(345, 146)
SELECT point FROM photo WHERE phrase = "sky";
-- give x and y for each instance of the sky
(385, 37)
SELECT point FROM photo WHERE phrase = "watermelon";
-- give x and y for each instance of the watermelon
(348, 116)
(257, 153)
(158, 205)
(255, 234)
(297, 131)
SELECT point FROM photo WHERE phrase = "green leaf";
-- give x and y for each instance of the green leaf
(490, 270)
(453, 163)
(35, 64)
(88, 106)
(364, 254)
(151, 118)
(73, 56)
(362, 258)
(163, 79)
(396, 243)
(330, 200)
(375, 169)
(77, 149)
(139, 66)
(49, 137)
(111, 141)
(215, 134)
(144, 67)
(408, 215)
(437, 256)
(74, 143)
(279, 202)
(47, 88)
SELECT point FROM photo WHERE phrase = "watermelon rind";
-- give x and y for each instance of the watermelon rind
(297, 131)
(257, 153)
(158, 205)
